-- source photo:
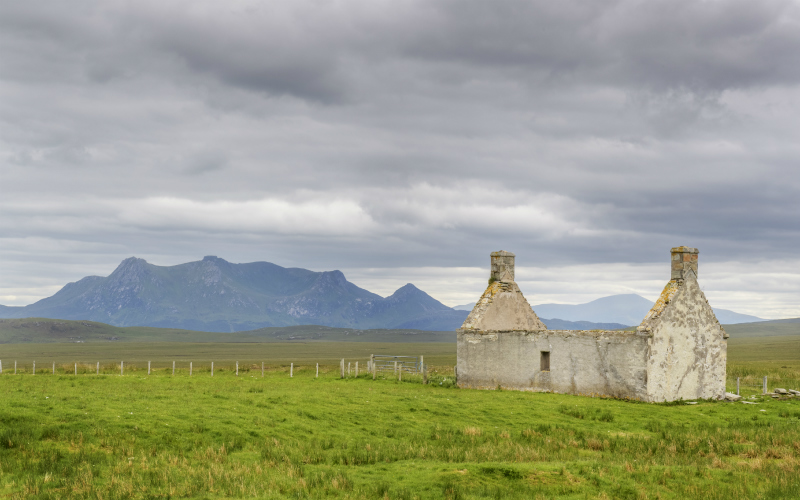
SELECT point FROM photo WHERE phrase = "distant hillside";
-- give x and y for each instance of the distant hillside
(625, 309)
(774, 328)
(560, 324)
(43, 331)
(218, 296)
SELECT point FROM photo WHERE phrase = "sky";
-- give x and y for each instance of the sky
(403, 141)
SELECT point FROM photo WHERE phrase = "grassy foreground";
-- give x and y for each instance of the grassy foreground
(159, 436)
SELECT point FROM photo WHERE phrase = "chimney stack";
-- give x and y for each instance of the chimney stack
(684, 262)
(502, 262)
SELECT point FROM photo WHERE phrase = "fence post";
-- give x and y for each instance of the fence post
(1, 366)
(237, 368)
(15, 367)
(372, 362)
(212, 368)
(34, 367)
(374, 370)
(121, 368)
(98, 368)
(348, 368)
(190, 368)
(400, 374)
(291, 370)
(262, 369)
(395, 367)
(765, 384)
(148, 368)
(54, 367)
(356, 369)
(737, 386)
(317, 376)
(341, 367)
(76, 368)
(173, 368)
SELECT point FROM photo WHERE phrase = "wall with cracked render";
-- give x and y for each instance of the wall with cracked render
(678, 352)
(590, 362)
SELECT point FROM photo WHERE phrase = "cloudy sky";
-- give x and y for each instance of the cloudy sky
(403, 141)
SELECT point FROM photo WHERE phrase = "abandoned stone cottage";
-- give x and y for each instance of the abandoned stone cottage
(679, 351)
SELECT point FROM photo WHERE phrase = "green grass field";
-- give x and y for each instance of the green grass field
(159, 436)
(163, 436)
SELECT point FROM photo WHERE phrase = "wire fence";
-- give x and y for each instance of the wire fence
(385, 366)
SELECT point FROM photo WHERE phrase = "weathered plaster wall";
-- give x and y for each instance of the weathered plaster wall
(502, 307)
(688, 347)
(595, 362)
(679, 350)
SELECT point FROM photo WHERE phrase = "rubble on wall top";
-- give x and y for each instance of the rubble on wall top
(661, 303)
(502, 253)
(684, 250)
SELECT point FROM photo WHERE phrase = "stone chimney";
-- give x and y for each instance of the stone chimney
(684, 262)
(502, 262)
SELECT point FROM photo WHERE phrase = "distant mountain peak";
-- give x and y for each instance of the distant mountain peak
(129, 270)
(215, 295)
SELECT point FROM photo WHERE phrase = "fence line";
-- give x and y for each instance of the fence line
(398, 365)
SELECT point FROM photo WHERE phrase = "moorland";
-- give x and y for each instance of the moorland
(179, 436)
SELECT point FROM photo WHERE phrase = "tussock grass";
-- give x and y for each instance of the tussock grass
(160, 436)
(164, 436)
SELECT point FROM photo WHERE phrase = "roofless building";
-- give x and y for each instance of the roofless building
(679, 351)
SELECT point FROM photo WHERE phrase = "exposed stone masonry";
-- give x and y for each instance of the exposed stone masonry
(678, 352)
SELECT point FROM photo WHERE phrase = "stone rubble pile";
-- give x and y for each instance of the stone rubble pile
(776, 393)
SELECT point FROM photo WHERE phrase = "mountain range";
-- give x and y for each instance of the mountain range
(214, 295)
(626, 309)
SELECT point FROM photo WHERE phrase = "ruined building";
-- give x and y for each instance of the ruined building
(679, 350)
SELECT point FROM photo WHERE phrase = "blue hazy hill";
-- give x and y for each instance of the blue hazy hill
(625, 309)
(218, 296)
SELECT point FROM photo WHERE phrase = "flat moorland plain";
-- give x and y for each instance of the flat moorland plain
(248, 436)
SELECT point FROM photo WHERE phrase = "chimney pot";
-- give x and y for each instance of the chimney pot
(502, 263)
(684, 262)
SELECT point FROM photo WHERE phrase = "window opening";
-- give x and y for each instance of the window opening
(545, 361)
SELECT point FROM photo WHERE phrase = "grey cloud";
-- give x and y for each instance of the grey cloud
(581, 133)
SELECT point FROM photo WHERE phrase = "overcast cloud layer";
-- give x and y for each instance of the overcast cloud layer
(402, 141)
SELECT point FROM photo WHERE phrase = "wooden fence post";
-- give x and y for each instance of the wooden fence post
(262, 369)
(212, 368)
(341, 368)
(54, 367)
(317, 371)
(400, 374)
(148, 368)
(173, 368)
(98, 368)
(190, 368)
(395, 367)
(291, 370)
(1, 366)
(76, 368)
(765, 384)
(34, 367)
(356, 369)
(237, 368)
(348, 368)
